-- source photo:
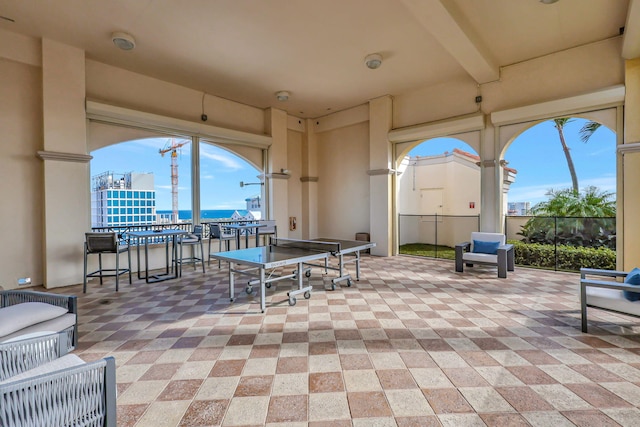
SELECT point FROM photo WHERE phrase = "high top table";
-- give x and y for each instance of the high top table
(247, 227)
(167, 235)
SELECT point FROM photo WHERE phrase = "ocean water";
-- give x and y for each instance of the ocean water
(205, 214)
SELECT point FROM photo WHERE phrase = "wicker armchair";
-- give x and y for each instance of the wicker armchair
(18, 356)
(11, 297)
(40, 388)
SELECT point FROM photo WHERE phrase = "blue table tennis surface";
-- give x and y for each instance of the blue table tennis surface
(276, 256)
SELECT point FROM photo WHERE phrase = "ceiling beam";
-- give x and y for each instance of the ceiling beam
(442, 19)
(631, 39)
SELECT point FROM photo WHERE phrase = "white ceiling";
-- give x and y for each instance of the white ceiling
(246, 50)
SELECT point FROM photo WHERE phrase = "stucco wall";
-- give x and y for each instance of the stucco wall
(21, 174)
(343, 183)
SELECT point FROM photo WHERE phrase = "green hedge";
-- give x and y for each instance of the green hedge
(569, 258)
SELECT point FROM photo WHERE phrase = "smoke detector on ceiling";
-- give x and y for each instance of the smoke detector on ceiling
(373, 61)
(123, 41)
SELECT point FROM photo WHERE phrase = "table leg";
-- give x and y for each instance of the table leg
(231, 282)
(263, 286)
(146, 260)
(357, 265)
(138, 256)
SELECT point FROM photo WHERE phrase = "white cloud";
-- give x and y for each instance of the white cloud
(227, 161)
(537, 193)
(207, 176)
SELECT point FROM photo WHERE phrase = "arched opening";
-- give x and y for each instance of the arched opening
(564, 200)
(438, 197)
(150, 180)
(221, 193)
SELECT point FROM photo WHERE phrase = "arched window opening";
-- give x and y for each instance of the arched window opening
(438, 197)
(149, 181)
(221, 194)
(564, 200)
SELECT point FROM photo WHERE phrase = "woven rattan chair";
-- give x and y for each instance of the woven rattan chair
(20, 355)
(105, 243)
(42, 387)
(70, 302)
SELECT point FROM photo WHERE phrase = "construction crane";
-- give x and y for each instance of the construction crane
(173, 147)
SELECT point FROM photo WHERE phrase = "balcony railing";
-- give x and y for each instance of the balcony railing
(435, 235)
(187, 226)
(557, 243)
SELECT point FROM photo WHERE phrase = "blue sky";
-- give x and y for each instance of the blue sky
(220, 172)
(536, 155)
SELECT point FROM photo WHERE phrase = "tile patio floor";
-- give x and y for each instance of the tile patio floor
(411, 344)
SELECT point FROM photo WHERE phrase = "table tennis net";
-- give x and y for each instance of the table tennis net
(313, 245)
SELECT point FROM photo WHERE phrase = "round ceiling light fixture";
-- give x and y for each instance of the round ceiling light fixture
(548, 1)
(282, 95)
(123, 41)
(373, 61)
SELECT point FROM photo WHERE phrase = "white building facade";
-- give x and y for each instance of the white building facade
(119, 200)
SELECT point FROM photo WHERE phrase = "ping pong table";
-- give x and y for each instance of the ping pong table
(285, 252)
(346, 248)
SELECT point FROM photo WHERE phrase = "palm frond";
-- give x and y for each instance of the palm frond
(587, 130)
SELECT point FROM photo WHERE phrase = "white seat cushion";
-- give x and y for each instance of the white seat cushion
(475, 257)
(611, 299)
(57, 324)
(20, 316)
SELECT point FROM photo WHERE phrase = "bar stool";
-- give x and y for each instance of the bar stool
(105, 243)
(194, 239)
(216, 232)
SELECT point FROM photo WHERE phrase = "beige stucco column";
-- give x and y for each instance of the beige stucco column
(380, 171)
(309, 178)
(631, 165)
(66, 168)
(277, 191)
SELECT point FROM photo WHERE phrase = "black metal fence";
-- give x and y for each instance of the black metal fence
(186, 226)
(557, 243)
(434, 235)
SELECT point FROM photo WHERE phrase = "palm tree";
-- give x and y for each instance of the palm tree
(559, 124)
(586, 132)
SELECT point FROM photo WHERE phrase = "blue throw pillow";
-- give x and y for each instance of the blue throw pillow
(481, 247)
(633, 278)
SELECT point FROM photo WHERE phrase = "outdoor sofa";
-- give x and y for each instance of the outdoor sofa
(35, 313)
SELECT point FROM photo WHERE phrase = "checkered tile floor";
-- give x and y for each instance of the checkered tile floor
(411, 344)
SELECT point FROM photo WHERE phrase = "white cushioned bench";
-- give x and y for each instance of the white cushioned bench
(606, 294)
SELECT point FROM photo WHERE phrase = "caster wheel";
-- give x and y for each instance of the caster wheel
(267, 285)
(307, 273)
(249, 290)
(307, 295)
(348, 282)
(292, 301)
(333, 286)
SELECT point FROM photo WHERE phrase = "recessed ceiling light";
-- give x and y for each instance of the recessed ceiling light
(548, 1)
(123, 41)
(373, 61)
(282, 95)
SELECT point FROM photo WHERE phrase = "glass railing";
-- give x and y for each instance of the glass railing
(434, 235)
(555, 243)
(563, 243)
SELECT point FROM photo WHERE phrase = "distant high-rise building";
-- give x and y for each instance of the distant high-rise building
(519, 208)
(122, 199)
